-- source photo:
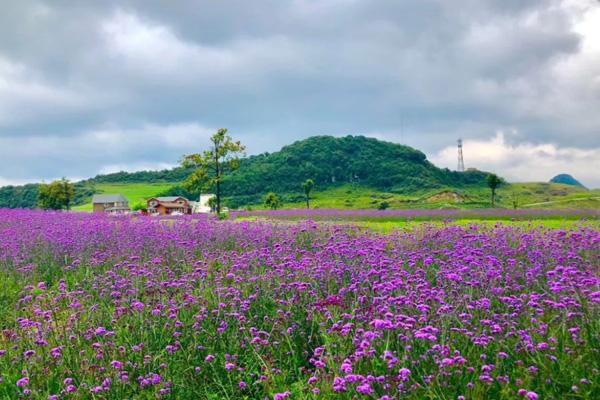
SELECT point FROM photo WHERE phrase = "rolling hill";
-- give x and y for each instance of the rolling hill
(349, 172)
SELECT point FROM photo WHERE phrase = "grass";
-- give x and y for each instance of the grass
(526, 195)
(134, 192)
(396, 224)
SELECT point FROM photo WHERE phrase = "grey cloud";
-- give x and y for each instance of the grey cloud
(424, 72)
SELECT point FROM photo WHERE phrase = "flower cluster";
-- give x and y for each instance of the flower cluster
(104, 307)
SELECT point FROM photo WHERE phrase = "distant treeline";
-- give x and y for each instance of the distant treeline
(26, 196)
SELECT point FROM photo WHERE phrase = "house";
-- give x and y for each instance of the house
(110, 203)
(171, 205)
(203, 205)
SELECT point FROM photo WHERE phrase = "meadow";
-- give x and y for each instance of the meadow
(135, 193)
(99, 307)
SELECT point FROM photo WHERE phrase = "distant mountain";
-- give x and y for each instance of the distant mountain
(329, 161)
(566, 179)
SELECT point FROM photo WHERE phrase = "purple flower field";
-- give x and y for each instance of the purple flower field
(93, 307)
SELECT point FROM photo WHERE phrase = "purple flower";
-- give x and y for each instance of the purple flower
(532, 396)
(23, 382)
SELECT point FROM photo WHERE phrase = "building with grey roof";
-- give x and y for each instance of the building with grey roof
(110, 203)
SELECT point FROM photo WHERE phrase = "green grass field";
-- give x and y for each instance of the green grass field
(526, 195)
(134, 192)
(396, 224)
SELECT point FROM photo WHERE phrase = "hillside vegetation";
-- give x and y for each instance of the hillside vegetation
(349, 172)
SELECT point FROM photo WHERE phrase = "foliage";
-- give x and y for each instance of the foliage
(493, 181)
(333, 162)
(307, 186)
(384, 205)
(57, 195)
(140, 207)
(272, 201)
(212, 166)
(25, 196)
(98, 307)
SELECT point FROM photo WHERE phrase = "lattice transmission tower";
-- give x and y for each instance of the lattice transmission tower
(461, 161)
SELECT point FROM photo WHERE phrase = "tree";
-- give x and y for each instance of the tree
(384, 205)
(308, 186)
(515, 200)
(67, 192)
(56, 195)
(272, 201)
(140, 207)
(493, 181)
(213, 165)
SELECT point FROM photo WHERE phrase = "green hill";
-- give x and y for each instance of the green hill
(333, 162)
(349, 172)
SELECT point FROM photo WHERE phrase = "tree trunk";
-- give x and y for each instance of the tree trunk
(218, 176)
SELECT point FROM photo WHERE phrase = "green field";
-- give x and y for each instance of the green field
(134, 192)
(526, 195)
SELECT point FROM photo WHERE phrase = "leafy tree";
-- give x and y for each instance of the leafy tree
(515, 200)
(272, 201)
(493, 181)
(384, 205)
(212, 203)
(308, 186)
(140, 207)
(56, 195)
(213, 165)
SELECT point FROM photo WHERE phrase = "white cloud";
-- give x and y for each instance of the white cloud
(155, 50)
(525, 162)
(105, 150)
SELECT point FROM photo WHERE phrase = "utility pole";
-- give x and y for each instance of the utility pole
(461, 161)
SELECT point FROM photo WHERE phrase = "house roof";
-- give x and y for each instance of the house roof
(109, 198)
(169, 199)
(169, 204)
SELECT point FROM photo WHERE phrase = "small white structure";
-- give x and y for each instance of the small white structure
(202, 206)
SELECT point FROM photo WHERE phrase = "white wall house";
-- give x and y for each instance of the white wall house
(202, 205)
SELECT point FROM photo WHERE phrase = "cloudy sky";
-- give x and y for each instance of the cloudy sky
(88, 87)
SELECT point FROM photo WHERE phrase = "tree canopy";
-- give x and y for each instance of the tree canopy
(210, 167)
(57, 195)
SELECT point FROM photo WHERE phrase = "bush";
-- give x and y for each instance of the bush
(384, 205)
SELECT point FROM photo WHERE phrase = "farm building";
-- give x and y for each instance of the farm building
(203, 206)
(110, 203)
(172, 205)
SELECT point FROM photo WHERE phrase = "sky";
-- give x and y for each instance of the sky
(89, 87)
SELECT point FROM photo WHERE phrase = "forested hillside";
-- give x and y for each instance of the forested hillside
(329, 161)
(332, 162)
